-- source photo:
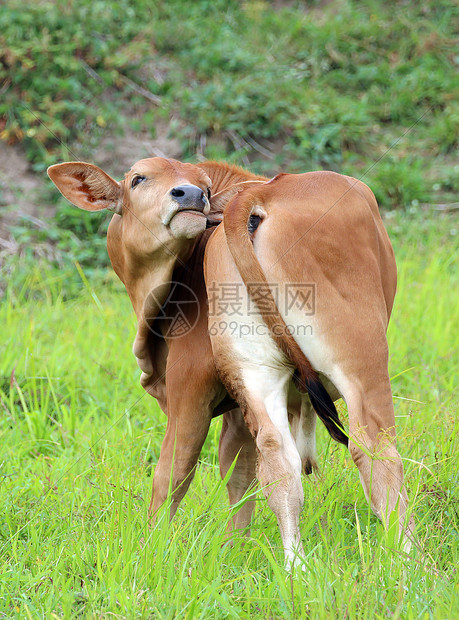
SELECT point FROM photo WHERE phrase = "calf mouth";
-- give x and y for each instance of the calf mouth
(188, 210)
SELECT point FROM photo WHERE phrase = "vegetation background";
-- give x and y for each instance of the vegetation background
(364, 88)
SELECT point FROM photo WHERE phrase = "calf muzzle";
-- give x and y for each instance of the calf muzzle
(189, 196)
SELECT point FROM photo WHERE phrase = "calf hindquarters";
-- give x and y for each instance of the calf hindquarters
(348, 257)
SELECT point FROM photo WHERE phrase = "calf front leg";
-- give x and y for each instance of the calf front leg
(236, 443)
(180, 450)
(303, 428)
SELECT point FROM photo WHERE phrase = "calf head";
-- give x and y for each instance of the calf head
(160, 209)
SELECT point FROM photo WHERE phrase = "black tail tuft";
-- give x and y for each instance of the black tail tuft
(325, 408)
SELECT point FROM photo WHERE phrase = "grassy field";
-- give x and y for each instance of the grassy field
(364, 88)
(79, 440)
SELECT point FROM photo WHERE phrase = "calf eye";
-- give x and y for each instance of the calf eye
(136, 180)
(208, 193)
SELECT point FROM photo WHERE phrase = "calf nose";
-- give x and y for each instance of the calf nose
(188, 195)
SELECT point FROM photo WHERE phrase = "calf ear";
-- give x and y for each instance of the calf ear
(87, 186)
(219, 201)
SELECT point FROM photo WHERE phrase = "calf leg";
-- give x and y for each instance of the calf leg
(236, 442)
(279, 464)
(279, 472)
(180, 450)
(304, 433)
(372, 446)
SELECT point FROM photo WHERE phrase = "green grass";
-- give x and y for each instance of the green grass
(80, 438)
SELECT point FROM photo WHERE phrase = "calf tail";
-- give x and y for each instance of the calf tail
(236, 224)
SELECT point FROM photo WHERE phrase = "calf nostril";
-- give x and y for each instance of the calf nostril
(177, 192)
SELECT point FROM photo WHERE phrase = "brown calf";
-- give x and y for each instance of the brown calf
(158, 235)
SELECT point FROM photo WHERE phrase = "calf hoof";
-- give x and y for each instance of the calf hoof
(309, 465)
(294, 560)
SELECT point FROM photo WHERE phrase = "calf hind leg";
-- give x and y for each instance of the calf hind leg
(279, 464)
(279, 472)
(372, 447)
(304, 432)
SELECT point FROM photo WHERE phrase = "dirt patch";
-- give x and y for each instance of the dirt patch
(116, 154)
(20, 190)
